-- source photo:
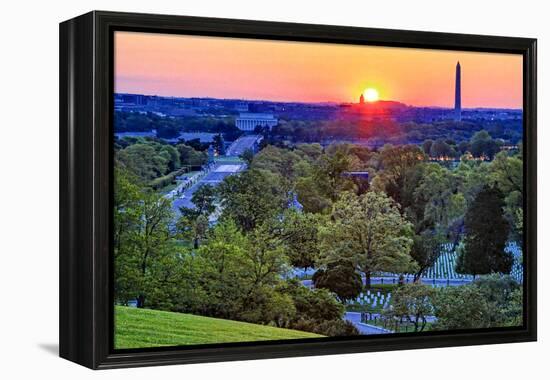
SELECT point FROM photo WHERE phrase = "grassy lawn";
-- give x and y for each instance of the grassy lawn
(139, 328)
(364, 308)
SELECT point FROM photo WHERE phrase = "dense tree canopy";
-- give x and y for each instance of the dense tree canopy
(296, 207)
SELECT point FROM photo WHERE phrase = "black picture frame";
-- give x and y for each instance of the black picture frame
(86, 187)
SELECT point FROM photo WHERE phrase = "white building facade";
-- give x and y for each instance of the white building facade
(249, 121)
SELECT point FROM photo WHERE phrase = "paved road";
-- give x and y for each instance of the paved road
(429, 318)
(364, 328)
(239, 146)
(219, 171)
(213, 177)
(181, 186)
(439, 282)
(425, 280)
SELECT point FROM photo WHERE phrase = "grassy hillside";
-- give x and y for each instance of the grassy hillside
(139, 328)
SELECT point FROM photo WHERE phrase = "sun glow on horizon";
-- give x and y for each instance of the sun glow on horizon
(287, 71)
(371, 94)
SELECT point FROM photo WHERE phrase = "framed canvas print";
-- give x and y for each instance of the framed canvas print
(236, 189)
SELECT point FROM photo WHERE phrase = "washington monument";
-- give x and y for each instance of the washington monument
(458, 103)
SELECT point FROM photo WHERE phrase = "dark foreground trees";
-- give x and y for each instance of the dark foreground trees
(486, 235)
(340, 278)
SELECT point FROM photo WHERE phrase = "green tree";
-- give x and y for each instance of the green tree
(252, 197)
(219, 144)
(329, 169)
(142, 160)
(153, 240)
(299, 236)
(427, 146)
(460, 307)
(247, 156)
(463, 147)
(175, 285)
(482, 144)
(412, 303)
(313, 304)
(224, 271)
(486, 236)
(266, 305)
(440, 148)
(507, 174)
(310, 152)
(435, 204)
(143, 242)
(265, 256)
(425, 250)
(317, 311)
(513, 311)
(126, 216)
(172, 156)
(278, 161)
(501, 294)
(438, 197)
(310, 196)
(193, 222)
(204, 199)
(192, 226)
(240, 275)
(368, 231)
(396, 164)
(190, 156)
(342, 279)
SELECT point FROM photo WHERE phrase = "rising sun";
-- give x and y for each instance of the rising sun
(371, 95)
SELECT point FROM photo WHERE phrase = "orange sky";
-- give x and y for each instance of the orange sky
(190, 66)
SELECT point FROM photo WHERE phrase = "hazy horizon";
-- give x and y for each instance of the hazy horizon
(305, 72)
(304, 102)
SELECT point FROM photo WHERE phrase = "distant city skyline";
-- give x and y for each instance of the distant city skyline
(228, 68)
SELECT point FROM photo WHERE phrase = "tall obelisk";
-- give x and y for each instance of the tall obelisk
(458, 101)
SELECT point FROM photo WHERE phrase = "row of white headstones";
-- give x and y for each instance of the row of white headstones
(373, 299)
(444, 267)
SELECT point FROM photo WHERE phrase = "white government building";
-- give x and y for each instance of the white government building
(249, 121)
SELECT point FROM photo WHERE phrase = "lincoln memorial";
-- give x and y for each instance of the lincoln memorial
(249, 121)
